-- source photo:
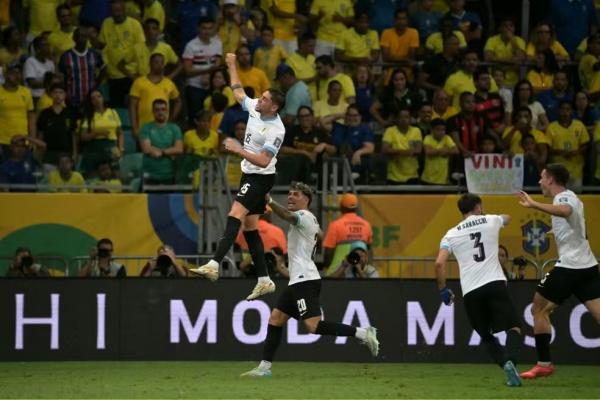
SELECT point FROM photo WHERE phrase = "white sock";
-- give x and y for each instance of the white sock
(213, 263)
(264, 364)
(361, 333)
(263, 279)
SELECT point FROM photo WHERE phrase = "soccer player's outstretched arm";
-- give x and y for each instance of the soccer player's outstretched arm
(261, 159)
(236, 84)
(558, 210)
(440, 268)
(282, 212)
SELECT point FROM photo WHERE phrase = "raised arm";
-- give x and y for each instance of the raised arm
(282, 212)
(236, 84)
(559, 210)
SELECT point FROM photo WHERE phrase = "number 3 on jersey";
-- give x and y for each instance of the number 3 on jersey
(479, 257)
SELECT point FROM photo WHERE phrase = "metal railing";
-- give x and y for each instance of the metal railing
(56, 265)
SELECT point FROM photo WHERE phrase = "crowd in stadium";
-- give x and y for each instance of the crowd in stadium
(107, 92)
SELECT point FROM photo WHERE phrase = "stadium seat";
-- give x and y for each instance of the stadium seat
(131, 170)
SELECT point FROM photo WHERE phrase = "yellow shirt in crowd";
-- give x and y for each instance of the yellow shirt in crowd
(569, 139)
(586, 70)
(140, 56)
(14, 108)
(147, 91)
(515, 143)
(328, 30)
(435, 43)
(268, 59)
(539, 80)
(283, 28)
(304, 68)
(505, 51)
(107, 120)
(435, 170)
(42, 15)
(557, 48)
(255, 78)
(231, 35)
(208, 146)
(357, 45)
(348, 89)
(450, 112)
(121, 40)
(227, 92)
(460, 82)
(60, 42)
(44, 102)
(154, 11)
(401, 169)
(6, 57)
(400, 45)
(323, 109)
(54, 179)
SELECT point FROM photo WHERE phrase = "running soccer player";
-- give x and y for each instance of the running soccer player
(263, 138)
(474, 242)
(575, 272)
(300, 299)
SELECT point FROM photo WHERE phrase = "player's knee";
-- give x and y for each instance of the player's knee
(311, 326)
(276, 319)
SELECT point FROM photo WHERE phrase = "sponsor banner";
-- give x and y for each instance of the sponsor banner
(153, 319)
(494, 173)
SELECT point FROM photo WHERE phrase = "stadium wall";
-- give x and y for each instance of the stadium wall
(68, 225)
(153, 319)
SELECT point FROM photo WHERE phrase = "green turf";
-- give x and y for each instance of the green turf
(290, 380)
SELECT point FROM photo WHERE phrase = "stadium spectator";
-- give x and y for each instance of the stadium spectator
(64, 178)
(570, 140)
(400, 43)
(544, 39)
(40, 17)
(468, 127)
(24, 266)
(119, 36)
(584, 111)
(100, 133)
(438, 148)
(344, 231)
(560, 91)
(101, 264)
(425, 20)
(153, 45)
(165, 265)
(469, 23)
(488, 144)
(17, 114)
(37, 66)
(105, 180)
(326, 73)
(462, 80)
(296, 94)
(573, 20)
(524, 98)
(522, 126)
(365, 91)
(202, 56)
(440, 107)
(381, 13)
(505, 94)
(588, 74)
(435, 42)
(145, 10)
(82, 67)
(504, 263)
(303, 60)
(533, 160)
(354, 140)
(161, 142)
(201, 141)
(437, 68)
(358, 44)
(285, 20)
(21, 162)
(218, 104)
(402, 143)
(331, 110)
(250, 75)
(488, 104)
(269, 55)
(542, 73)
(11, 50)
(56, 126)
(50, 79)
(395, 96)
(507, 49)
(356, 264)
(219, 83)
(330, 18)
(234, 173)
(423, 121)
(234, 29)
(189, 14)
(232, 115)
(146, 89)
(61, 39)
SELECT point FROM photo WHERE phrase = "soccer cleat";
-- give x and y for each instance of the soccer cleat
(262, 287)
(206, 271)
(371, 341)
(512, 375)
(538, 371)
(257, 372)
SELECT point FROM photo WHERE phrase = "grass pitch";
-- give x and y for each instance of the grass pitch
(291, 380)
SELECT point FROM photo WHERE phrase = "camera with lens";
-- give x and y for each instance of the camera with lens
(353, 258)
(163, 263)
(26, 261)
(103, 253)
(520, 261)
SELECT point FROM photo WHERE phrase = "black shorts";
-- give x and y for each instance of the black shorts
(252, 192)
(301, 300)
(560, 283)
(490, 309)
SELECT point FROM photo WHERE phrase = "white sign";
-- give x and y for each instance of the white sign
(494, 173)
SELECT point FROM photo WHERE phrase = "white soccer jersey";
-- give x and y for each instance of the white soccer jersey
(261, 134)
(203, 56)
(302, 239)
(474, 243)
(573, 247)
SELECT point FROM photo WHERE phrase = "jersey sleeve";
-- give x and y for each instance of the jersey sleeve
(274, 139)
(306, 222)
(249, 104)
(564, 199)
(445, 244)
(496, 220)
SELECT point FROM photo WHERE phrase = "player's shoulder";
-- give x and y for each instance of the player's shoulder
(306, 217)
(565, 197)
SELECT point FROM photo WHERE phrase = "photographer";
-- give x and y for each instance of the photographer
(356, 264)
(165, 265)
(23, 266)
(101, 263)
(519, 262)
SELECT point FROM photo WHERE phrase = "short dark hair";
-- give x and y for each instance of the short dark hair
(202, 114)
(154, 55)
(480, 71)
(219, 101)
(306, 37)
(401, 10)
(304, 188)
(152, 21)
(559, 172)
(104, 241)
(333, 82)
(325, 60)
(468, 202)
(62, 7)
(55, 86)
(278, 98)
(159, 101)
(307, 108)
(463, 95)
(22, 249)
(437, 122)
(205, 20)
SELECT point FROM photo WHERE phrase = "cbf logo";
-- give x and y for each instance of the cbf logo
(535, 238)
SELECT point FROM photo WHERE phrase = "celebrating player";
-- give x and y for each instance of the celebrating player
(474, 242)
(575, 272)
(263, 138)
(300, 300)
